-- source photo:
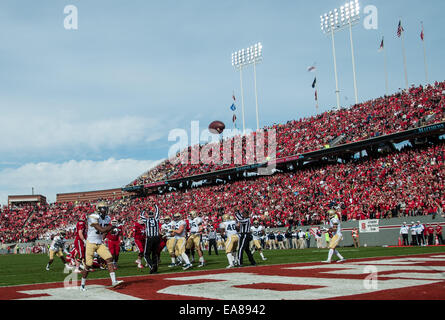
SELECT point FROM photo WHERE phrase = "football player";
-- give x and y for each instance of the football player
(257, 233)
(79, 242)
(57, 248)
(178, 231)
(220, 241)
(163, 241)
(166, 231)
(228, 229)
(194, 241)
(98, 226)
(139, 240)
(335, 226)
(114, 240)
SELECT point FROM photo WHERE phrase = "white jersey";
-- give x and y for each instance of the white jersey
(166, 228)
(419, 228)
(404, 229)
(57, 244)
(257, 232)
(94, 236)
(336, 221)
(229, 227)
(176, 225)
(194, 224)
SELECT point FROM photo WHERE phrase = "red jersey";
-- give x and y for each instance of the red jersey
(438, 230)
(81, 226)
(430, 230)
(138, 231)
(115, 233)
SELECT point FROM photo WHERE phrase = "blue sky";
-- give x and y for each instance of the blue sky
(92, 108)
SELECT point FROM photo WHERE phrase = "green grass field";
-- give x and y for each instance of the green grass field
(29, 269)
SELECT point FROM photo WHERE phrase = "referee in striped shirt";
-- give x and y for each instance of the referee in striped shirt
(245, 235)
(153, 239)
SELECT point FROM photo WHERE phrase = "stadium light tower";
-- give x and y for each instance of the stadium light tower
(240, 59)
(347, 15)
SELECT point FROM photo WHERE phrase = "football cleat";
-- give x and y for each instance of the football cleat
(69, 267)
(47, 267)
(187, 266)
(341, 260)
(264, 259)
(83, 289)
(201, 265)
(326, 261)
(116, 283)
(171, 265)
(230, 266)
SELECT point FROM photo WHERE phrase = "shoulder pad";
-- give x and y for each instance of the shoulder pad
(93, 218)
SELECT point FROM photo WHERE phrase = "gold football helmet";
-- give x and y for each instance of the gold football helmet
(102, 208)
(177, 216)
(193, 214)
(226, 217)
(332, 213)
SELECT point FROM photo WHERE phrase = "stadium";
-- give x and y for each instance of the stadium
(343, 202)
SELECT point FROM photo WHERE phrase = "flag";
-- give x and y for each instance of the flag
(233, 97)
(233, 107)
(382, 45)
(422, 34)
(311, 68)
(316, 95)
(314, 83)
(400, 29)
(234, 118)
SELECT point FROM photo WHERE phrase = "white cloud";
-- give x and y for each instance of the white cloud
(49, 179)
(44, 133)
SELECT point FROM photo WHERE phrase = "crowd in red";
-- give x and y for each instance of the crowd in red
(29, 223)
(409, 182)
(381, 116)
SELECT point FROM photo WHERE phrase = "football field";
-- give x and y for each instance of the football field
(289, 274)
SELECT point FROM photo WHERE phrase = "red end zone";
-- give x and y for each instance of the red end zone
(419, 277)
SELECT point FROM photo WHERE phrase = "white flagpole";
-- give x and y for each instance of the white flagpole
(386, 69)
(353, 63)
(256, 98)
(424, 55)
(316, 86)
(242, 98)
(404, 59)
(337, 91)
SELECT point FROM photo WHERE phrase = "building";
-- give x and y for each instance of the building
(27, 199)
(91, 196)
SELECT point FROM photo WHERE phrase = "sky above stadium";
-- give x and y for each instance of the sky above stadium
(91, 108)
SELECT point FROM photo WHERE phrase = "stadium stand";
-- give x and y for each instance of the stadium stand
(373, 118)
(406, 182)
